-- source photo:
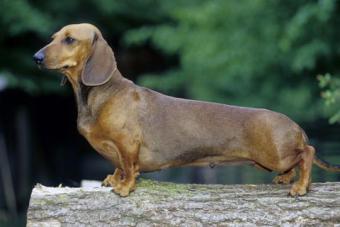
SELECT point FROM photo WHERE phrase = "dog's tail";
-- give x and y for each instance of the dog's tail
(325, 165)
(319, 162)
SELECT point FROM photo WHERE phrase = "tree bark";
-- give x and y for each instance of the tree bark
(167, 204)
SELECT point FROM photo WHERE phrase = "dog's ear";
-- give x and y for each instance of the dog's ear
(100, 65)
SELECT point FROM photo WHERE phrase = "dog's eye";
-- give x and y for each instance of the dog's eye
(69, 40)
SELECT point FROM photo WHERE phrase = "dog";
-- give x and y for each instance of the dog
(139, 129)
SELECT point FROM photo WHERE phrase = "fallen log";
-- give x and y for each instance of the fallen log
(168, 204)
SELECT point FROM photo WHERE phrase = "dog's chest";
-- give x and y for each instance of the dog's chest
(88, 128)
(98, 141)
(84, 125)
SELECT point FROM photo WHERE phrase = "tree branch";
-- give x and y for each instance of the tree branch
(166, 204)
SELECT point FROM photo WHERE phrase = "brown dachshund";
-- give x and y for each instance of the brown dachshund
(138, 129)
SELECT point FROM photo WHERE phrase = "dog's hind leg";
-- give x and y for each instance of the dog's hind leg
(301, 186)
(285, 178)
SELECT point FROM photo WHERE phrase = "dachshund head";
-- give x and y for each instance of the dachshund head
(80, 52)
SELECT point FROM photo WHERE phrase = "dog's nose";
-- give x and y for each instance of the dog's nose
(39, 57)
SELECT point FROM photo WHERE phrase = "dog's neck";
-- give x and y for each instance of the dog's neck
(84, 93)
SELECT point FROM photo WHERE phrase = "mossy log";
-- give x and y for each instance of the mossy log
(167, 204)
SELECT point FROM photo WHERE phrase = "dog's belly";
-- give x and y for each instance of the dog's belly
(176, 147)
(153, 160)
(216, 161)
(150, 165)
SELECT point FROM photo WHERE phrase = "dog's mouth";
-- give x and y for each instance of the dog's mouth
(65, 67)
(58, 67)
(62, 69)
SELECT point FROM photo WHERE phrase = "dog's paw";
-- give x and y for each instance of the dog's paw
(124, 188)
(282, 179)
(123, 191)
(297, 190)
(109, 181)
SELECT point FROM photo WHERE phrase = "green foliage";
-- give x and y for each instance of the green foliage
(251, 52)
(254, 53)
(18, 16)
(331, 95)
(26, 27)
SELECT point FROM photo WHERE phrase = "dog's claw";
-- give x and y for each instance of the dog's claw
(109, 181)
(123, 190)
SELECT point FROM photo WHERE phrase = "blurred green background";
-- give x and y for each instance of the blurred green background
(280, 55)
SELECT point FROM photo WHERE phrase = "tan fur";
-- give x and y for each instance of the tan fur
(138, 129)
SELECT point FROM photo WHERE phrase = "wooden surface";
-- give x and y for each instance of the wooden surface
(167, 204)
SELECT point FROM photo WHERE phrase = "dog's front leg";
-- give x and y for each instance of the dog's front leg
(125, 177)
